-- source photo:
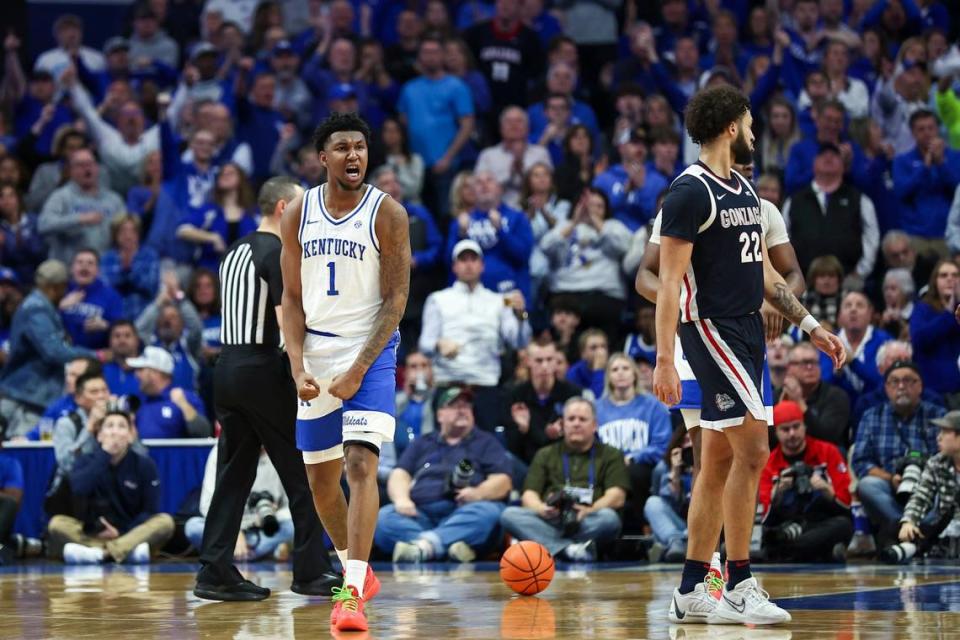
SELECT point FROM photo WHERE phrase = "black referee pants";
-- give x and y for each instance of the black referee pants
(256, 404)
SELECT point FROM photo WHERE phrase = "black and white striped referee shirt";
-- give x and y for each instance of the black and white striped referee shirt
(251, 285)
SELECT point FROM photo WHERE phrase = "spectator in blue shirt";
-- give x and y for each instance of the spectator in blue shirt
(634, 422)
(562, 80)
(862, 340)
(666, 509)
(66, 403)
(630, 188)
(504, 234)
(829, 118)
(124, 344)
(448, 489)
(259, 122)
(589, 371)
(886, 434)
(438, 112)
(203, 292)
(11, 495)
(40, 111)
(213, 226)
(90, 304)
(935, 333)
(167, 411)
(21, 246)
(120, 518)
(924, 181)
(459, 63)
(131, 269)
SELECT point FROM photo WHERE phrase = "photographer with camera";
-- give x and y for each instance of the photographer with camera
(666, 510)
(933, 502)
(266, 524)
(448, 488)
(573, 490)
(891, 438)
(805, 494)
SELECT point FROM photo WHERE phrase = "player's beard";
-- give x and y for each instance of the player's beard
(742, 153)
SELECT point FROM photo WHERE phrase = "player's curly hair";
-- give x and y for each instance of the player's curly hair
(711, 110)
(338, 121)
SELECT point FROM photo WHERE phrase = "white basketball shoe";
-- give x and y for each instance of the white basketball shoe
(692, 608)
(747, 603)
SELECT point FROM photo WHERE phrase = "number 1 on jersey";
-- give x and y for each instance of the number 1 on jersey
(745, 253)
(332, 291)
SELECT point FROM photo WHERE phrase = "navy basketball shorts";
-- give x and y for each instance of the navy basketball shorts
(727, 358)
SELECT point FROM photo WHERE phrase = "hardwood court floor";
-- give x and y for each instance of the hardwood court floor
(48, 600)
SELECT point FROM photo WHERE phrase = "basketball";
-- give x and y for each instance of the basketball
(527, 568)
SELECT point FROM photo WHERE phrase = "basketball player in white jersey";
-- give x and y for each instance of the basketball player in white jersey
(784, 259)
(346, 276)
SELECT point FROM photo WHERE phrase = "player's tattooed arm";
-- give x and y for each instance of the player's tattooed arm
(778, 293)
(393, 233)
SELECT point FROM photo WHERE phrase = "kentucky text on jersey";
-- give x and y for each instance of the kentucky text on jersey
(333, 247)
(739, 216)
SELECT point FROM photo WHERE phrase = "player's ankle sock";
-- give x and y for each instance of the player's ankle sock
(356, 575)
(342, 554)
(739, 571)
(694, 572)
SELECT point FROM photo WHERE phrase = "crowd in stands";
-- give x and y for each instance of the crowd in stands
(530, 143)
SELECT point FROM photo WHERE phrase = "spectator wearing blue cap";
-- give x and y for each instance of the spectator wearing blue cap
(33, 375)
(291, 96)
(21, 245)
(200, 82)
(91, 304)
(630, 189)
(829, 118)
(323, 73)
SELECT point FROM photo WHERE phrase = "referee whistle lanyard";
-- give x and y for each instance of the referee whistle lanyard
(590, 471)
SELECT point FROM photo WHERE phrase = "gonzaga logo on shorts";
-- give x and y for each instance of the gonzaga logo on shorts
(724, 402)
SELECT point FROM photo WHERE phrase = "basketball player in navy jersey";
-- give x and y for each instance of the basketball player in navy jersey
(784, 260)
(714, 276)
(346, 276)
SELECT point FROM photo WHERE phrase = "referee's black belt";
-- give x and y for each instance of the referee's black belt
(250, 350)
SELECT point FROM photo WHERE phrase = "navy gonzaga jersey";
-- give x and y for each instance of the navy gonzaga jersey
(722, 220)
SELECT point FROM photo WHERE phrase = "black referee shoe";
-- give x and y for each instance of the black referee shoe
(243, 591)
(320, 586)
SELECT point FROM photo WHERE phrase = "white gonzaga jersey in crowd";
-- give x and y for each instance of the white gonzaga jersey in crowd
(340, 265)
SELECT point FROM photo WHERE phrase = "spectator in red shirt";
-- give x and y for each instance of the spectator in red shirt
(805, 494)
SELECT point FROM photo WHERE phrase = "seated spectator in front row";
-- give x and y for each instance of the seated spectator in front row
(266, 524)
(933, 503)
(167, 411)
(666, 510)
(573, 490)
(117, 495)
(73, 434)
(12, 545)
(33, 375)
(805, 494)
(448, 489)
(886, 435)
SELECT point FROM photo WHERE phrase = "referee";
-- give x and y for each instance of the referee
(256, 404)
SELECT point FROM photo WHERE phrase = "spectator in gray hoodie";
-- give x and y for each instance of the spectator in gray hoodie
(585, 255)
(78, 214)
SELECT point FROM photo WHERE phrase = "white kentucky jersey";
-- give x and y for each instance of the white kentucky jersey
(340, 265)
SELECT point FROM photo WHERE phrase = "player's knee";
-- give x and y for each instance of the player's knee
(755, 455)
(361, 455)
